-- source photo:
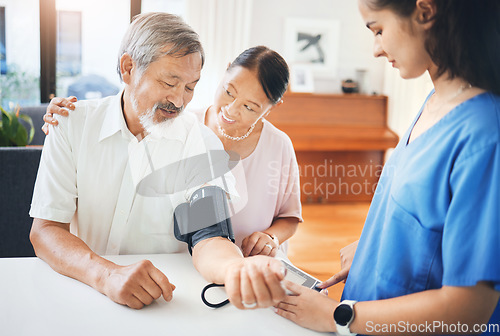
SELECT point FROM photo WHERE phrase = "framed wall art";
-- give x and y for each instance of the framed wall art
(301, 78)
(313, 43)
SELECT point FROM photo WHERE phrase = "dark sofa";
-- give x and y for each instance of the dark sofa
(18, 169)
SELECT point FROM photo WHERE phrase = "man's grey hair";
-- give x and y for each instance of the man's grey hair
(153, 35)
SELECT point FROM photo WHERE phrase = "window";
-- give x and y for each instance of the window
(78, 52)
(88, 38)
(3, 58)
(69, 43)
(19, 53)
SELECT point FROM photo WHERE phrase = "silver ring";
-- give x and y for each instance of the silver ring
(249, 305)
(269, 245)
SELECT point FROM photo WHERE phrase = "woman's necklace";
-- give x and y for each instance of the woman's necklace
(433, 112)
(227, 136)
(432, 115)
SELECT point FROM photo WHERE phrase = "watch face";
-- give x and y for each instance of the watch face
(342, 314)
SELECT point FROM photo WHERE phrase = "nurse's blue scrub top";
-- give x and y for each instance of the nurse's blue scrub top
(435, 217)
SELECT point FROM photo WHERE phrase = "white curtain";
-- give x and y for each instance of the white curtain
(224, 29)
(406, 96)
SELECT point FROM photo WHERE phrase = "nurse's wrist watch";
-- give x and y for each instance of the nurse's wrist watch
(343, 316)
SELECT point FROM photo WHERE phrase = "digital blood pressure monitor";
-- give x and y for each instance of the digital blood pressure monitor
(300, 277)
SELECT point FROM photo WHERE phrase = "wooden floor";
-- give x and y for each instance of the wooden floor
(326, 229)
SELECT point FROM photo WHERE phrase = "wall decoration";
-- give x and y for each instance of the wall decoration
(313, 43)
(301, 78)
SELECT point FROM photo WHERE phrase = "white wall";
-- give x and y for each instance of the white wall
(224, 28)
(356, 41)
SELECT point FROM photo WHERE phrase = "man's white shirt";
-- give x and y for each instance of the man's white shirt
(119, 193)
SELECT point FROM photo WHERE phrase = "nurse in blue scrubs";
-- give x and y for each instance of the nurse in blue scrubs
(428, 260)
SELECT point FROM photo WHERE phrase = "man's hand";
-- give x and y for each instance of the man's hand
(136, 285)
(258, 243)
(308, 308)
(255, 282)
(346, 257)
(57, 106)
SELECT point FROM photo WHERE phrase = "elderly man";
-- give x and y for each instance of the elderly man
(87, 201)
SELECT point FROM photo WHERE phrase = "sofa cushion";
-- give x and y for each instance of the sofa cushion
(36, 113)
(17, 177)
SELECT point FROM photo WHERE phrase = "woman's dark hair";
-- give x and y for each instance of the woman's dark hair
(464, 39)
(271, 68)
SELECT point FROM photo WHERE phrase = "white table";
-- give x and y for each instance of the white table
(35, 300)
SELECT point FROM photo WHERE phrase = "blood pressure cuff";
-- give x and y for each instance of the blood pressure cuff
(206, 215)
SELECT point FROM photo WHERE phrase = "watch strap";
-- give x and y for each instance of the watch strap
(344, 330)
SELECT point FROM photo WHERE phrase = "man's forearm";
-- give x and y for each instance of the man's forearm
(68, 254)
(212, 257)
(253, 282)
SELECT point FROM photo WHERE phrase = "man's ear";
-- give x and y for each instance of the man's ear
(425, 11)
(126, 67)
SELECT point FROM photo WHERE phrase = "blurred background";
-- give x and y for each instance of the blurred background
(69, 47)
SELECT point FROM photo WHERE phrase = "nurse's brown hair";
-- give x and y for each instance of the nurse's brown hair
(464, 40)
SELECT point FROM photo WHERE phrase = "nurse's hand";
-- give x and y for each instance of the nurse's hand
(308, 308)
(57, 106)
(346, 257)
(255, 282)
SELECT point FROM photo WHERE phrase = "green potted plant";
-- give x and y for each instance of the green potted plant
(18, 169)
(12, 131)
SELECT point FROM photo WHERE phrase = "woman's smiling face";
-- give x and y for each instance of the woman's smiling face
(240, 101)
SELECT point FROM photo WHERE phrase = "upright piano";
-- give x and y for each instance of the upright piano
(340, 141)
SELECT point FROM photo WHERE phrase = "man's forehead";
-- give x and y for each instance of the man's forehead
(186, 68)
(181, 53)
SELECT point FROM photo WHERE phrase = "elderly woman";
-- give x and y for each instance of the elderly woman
(267, 176)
